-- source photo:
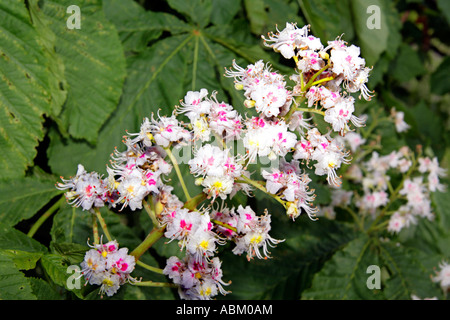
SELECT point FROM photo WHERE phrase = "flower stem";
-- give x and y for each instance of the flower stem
(44, 217)
(177, 170)
(195, 201)
(102, 223)
(311, 81)
(262, 188)
(311, 110)
(151, 212)
(148, 267)
(151, 238)
(154, 284)
(95, 230)
(223, 224)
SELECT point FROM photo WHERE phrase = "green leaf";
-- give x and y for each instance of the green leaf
(137, 27)
(72, 252)
(438, 80)
(224, 11)
(22, 259)
(199, 11)
(345, 275)
(377, 38)
(94, 62)
(328, 19)
(57, 270)
(25, 92)
(12, 239)
(256, 14)
(43, 290)
(71, 225)
(14, 285)
(57, 82)
(154, 81)
(408, 275)
(407, 65)
(293, 263)
(21, 199)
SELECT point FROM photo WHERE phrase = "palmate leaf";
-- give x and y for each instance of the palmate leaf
(25, 90)
(158, 78)
(408, 274)
(13, 283)
(21, 198)
(94, 65)
(344, 276)
(293, 263)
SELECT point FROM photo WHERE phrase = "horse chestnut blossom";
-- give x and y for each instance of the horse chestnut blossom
(108, 266)
(225, 145)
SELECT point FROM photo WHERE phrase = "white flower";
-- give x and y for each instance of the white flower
(168, 130)
(183, 224)
(310, 61)
(225, 121)
(358, 83)
(400, 124)
(108, 266)
(342, 112)
(346, 61)
(298, 122)
(354, 140)
(270, 98)
(443, 276)
(267, 138)
(402, 218)
(195, 105)
(86, 189)
(201, 128)
(218, 186)
(197, 280)
(287, 40)
(256, 234)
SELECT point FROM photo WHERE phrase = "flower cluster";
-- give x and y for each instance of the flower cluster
(108, 266)
(335, 68)
(420, 177)
(199, 275)
(224, 144)
(135, 173)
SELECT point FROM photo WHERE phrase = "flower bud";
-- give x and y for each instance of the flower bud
(239, 86)
(249, 103)
(292, 210)
(324, 55)
(199, 181)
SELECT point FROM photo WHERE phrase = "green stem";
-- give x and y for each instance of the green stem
(322, 80)
(223, 224)
(148, 267)
(151, 238)
(44, 217)
(311, 81)
(151, 212)
(355, 217)
(194, 65)
(154, 284)
(195, 201)
(102, 223)
(262, 188)
(177, 170)
(311, 110)
(95, 230)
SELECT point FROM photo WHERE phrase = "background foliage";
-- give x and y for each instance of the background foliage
(68, 97)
